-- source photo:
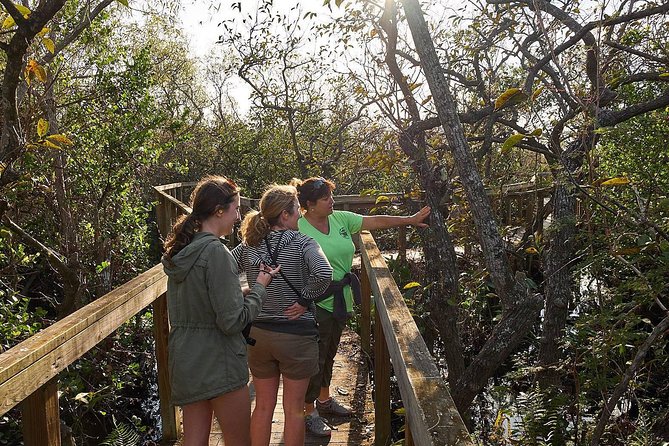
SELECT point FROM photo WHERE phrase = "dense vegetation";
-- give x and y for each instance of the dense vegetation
(547, 337)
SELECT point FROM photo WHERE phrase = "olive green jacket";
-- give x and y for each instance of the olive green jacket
(207, 312)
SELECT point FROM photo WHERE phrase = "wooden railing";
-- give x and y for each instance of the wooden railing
(431, 416)
(29, 371)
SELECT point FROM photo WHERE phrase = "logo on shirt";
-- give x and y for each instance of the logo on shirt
(343, 233)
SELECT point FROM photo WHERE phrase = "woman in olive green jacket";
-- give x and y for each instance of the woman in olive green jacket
(207, 311)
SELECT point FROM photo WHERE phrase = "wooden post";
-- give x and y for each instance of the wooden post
(540, 211)
(365, 310)
(528, 208)
(161, 217)
(168, 413)
(40, 416)
(381, 385)
(408, 438)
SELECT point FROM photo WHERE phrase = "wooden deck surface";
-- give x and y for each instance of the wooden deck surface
(350, 385)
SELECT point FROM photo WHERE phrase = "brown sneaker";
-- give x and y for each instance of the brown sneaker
(333, 407)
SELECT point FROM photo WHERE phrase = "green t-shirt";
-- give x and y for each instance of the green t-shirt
(338, 248)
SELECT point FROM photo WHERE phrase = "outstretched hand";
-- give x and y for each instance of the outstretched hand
(266, 274)
(418, 218)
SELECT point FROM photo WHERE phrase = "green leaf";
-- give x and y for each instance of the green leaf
(537, 92)
(101, 267)
(410, 285)
(23, 10)
(50, 145)
(42, 127)
(511, 96)
(123, 2)
(8, 22)
(400, 411)
(511, 141)
(60, 140)
(537, 132)
(49, 45)
(618, 181)
(664, 75)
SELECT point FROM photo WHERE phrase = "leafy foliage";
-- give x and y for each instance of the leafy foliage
(122, 435)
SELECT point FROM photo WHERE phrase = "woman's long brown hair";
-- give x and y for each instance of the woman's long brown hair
(211, 194)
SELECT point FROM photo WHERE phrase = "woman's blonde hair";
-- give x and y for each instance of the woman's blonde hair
(257, 224)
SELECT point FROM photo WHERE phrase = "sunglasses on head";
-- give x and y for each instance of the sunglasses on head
(317, 183)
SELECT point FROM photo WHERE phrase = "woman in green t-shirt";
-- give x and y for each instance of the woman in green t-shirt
(333, 231)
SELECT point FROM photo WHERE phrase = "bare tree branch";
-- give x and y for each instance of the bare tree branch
(620, 389)
(627, 49)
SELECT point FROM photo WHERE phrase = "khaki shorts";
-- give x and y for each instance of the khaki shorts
(275, 353)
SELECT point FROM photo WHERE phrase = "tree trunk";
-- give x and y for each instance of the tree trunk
(559, 283)
(505, 337)
(15, 51)
(482, 212)
(520, 308)
(69, 246)
(442, 271)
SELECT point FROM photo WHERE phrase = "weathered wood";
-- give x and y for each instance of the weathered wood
(165, 187)
(365, 310)
(365, 202)
(169, 414)
(30, 364)
(40, 416)
(408, 439)
(381, 384)
(430, 410)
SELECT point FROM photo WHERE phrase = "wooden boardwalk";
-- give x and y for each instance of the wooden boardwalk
(351, 386)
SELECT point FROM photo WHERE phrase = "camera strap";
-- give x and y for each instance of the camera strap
(274, 255)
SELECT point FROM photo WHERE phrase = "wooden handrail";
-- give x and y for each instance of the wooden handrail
(431, 416)
(36, 360)
(29, 369)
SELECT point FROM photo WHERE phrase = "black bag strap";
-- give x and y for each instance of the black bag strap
(274, 255)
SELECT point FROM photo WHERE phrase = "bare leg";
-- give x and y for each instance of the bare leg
(233, 412)
(261, 420)
(293, 406)
(325, 394)
(197, 423)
